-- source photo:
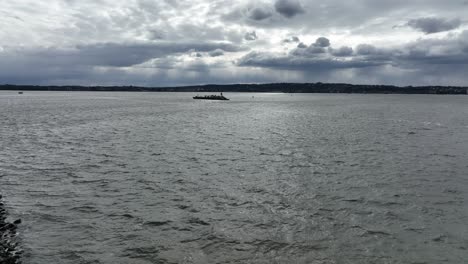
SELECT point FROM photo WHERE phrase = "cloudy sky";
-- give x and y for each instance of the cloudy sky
(184, 42)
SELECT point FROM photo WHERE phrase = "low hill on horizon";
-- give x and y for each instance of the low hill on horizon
(269, 87)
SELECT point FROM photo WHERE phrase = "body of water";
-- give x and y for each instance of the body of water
(263, 178)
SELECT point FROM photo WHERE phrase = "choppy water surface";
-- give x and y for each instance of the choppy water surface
(162, 178)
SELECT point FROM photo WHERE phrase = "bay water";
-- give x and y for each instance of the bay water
(102, 177)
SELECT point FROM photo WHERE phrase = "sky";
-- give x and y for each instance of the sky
(188, 42)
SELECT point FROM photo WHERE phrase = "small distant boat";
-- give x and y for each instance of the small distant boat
(211, 97)
(20, 92)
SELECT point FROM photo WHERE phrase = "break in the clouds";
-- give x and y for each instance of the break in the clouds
(182, 42)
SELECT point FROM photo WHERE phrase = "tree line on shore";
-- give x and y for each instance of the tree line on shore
(271, 87)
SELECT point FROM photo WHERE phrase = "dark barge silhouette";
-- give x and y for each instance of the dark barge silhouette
(211, 97)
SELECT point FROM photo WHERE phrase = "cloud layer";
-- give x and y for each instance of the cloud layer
(179, 42)
(430, 25)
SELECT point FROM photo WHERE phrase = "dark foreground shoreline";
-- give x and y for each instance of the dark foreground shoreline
(9, 250)
(258, 88)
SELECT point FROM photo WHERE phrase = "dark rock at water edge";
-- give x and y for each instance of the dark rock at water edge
(10, 252)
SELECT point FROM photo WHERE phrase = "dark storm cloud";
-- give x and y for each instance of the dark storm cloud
(342, 51)
(366, 49)
(322, 42)
(430, 25)
(108, 54)
(267, 60)
(418, 55)
(216, 53)
(308, 51)
(363, 16)
(55, 41)
(451, 51)
(315, 48)
(251, 36)
(289, 8)
(374, 53)
(259, 13)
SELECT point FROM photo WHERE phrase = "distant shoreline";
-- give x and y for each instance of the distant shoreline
(257, 88)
